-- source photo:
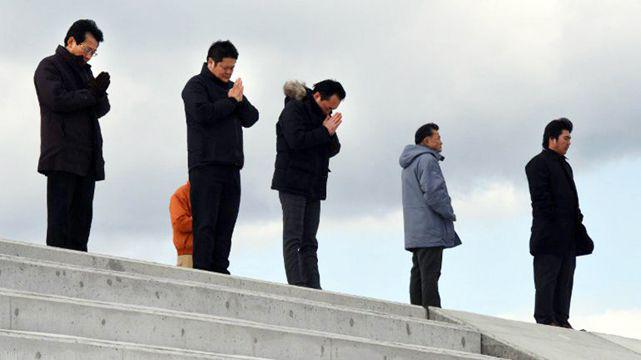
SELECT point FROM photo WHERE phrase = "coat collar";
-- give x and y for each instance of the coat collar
(70, 58)
(553, 154)
(567, 169)
(434, 153)
(314, 106)
(204, 71)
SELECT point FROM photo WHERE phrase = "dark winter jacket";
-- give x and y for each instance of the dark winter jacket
(557, 221)
(70, 137)
(303, 147)
(215, 121)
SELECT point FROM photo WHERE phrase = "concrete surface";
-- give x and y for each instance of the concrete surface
(83, 283)
(20, 345)
(527, 341)
(629, 343)
(69, 305)
(122, 323)
(172, 272)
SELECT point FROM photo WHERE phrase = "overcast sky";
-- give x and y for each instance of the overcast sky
(490, 73)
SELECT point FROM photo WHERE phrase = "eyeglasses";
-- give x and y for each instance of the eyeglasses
(88, 51)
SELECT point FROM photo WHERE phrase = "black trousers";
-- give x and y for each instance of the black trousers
(301, 217)
(215, 199)
(426, 270)
(553, 279)
(69, 210)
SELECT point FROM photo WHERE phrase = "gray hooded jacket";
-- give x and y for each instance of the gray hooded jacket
(427, 208)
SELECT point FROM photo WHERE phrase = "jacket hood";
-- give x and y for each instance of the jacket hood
(295, 90)
(411, 152)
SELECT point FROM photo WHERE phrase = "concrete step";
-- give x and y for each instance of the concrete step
(112, 263)
(19, 345)
(60, 304)
(40, 276)
(153, 327)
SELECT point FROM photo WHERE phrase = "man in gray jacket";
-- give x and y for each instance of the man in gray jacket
(427, 214)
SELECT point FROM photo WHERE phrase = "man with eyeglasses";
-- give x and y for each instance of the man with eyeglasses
(71, 102)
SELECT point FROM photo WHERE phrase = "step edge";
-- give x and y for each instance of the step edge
(172, 268)
(120, 345)
(226, 321)
(217, 287)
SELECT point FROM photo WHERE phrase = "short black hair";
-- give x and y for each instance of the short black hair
(424, 131)
(554, 129)
(222, 49)
(327, 88)
(80, 28)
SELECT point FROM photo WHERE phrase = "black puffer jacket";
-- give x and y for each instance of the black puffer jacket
(70, 136)
(557, 221)
(215, 121)
(303, 147)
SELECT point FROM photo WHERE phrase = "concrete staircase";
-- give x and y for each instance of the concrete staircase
(59, 304)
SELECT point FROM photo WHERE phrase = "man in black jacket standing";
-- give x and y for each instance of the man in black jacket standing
(71, 102)
(558, 234)
(305, 140)
(216, 110)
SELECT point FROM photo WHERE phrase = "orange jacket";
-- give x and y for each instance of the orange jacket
(180, 211)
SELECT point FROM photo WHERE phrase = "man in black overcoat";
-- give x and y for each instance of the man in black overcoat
(71, 102)
(558, 234)
(217, 110)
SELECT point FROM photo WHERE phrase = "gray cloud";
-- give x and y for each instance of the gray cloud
(491, 74)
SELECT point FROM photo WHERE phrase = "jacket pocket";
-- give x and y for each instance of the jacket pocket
(421, 221)
(208, 147)
(56, 126)
(298, 179)
(584, 244)
(63, 129)
(301, 166)
(543, 234)
(448, 230)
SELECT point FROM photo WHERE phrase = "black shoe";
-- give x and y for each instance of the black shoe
(566, 324)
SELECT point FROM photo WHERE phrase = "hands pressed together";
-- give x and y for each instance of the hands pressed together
(99, 85)
(331, 123)
(236, 92)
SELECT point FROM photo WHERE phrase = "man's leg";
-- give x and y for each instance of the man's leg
(60, 189)
(204, 195)
(546, 272)
(293, 221)
(430, 261)
(81, 212)
(416, 296)
(227, 215)
(563, 292)
(308, 257)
